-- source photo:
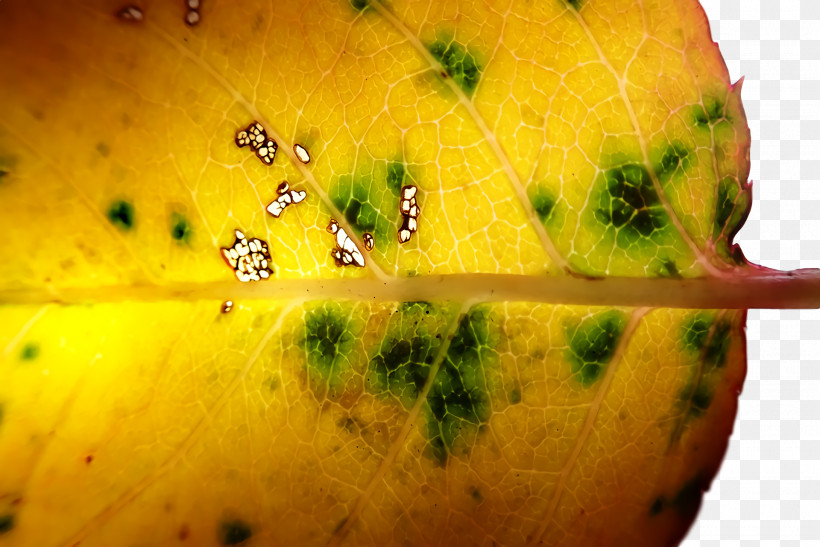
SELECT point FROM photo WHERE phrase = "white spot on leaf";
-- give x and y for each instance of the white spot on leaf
(249, 258)
(130, 13)
(286, 197)
(346, 253)
(301, 153)
(410, 211)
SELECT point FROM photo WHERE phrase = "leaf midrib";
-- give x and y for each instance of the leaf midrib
(747, 288)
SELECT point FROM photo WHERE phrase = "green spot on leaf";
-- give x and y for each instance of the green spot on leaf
(714, 349)
(629, 203)
(180, 228)
(234, 532)
(402, 364)
(30, 351)
(592, 344)
(711, 112)
(675, 160)
(458, 400)
(395, 176)
(458, 63)
(328, 342)
(121, 215)
(701, 399)
(359, 5)
(6, 523)
(669, 269)
(542, 202)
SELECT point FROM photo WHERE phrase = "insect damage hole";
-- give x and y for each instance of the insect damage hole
(301, 153)
(192, 18)
(249, 258)
(130, 13)
(286, 198)
(410, 210)
(369, 242)
(346, 253)
(256, 137)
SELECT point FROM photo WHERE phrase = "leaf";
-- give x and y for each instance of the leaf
(553, 356)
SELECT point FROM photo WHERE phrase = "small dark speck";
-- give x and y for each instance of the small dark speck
(89, 459)
(184, 532)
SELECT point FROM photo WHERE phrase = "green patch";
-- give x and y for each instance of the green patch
(234, 532)
(458, 400)
(727, 194)
(592, 344)
(402, 364)
(358, 5)
(701, 400)
(364, 205)
(396, 175)
(121, 214)
(328, 342)
(714, 348)
(675, 159)
(30, 351)
(6, 523)
(354, 202)
(695, 330)
(710, 112)
(669, 269)
(707, 341)
(574, 4)
(515, 396)
(180, 228)
(627, 201)
(731, 210)
(458, 63)
(542, 202)
(369, 200)
(3, 174)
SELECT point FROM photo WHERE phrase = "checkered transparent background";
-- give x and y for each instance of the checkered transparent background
(768, 489)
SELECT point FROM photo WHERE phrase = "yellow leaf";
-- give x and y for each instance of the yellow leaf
(363, 272)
